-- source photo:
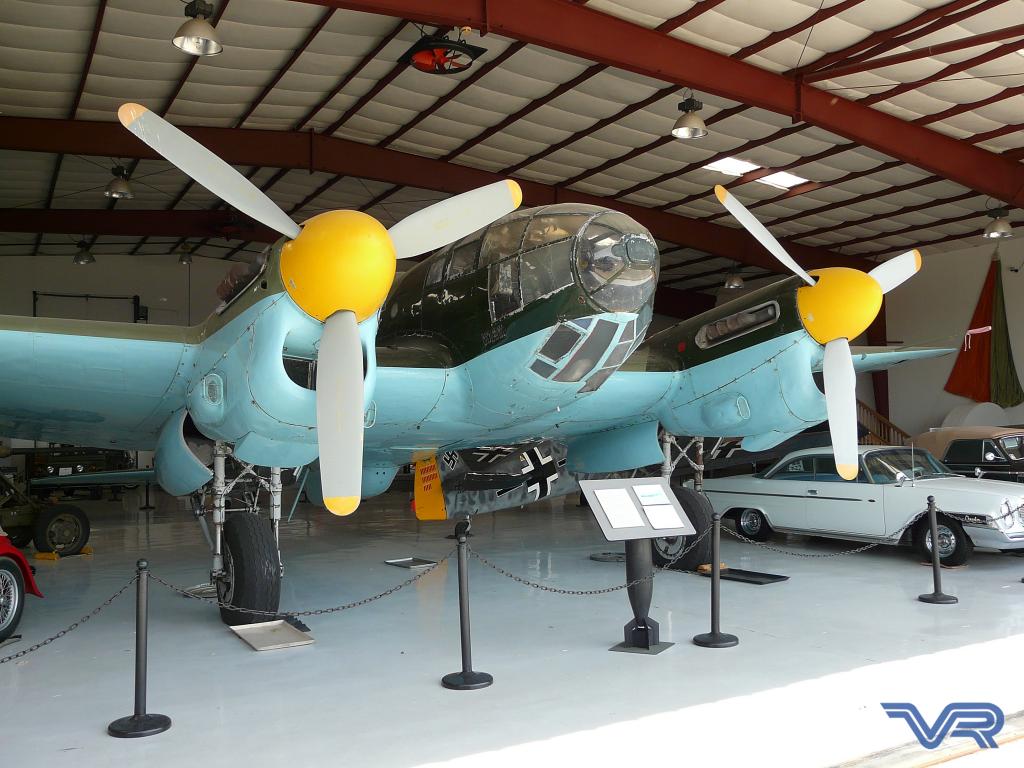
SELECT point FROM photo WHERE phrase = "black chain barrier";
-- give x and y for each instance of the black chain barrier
(589, 592)
(315, 612)
(71, 627)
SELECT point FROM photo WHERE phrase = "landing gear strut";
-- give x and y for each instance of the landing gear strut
(246, 550)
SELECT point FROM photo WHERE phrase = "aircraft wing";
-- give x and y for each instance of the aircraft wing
(867, 359)
(90, 382)
(114, 477)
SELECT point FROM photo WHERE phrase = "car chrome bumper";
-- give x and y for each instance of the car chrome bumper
(991, 538)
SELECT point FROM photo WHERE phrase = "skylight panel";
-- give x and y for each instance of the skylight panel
(731, 166)
(782, 180)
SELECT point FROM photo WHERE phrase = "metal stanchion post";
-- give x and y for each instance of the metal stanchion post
(936, 596)
(147, 506)
(716, 638)
(140, 723)
(467, 679)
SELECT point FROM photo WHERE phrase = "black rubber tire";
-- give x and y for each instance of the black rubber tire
(962, 549)
(13, 577)
(253, 579)
(47, 517)
(763, 530)
(698, 509)
(20, 535)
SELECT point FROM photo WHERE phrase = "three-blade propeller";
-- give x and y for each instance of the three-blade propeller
(836, 305)
(338, 267)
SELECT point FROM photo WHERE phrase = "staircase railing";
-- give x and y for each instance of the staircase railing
(881, 431)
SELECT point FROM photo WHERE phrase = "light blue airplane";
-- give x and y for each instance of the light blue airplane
(526, 326)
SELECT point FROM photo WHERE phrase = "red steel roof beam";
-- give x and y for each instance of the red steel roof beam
(921, 53)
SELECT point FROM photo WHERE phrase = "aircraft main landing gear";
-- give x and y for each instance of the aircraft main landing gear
(247, 566)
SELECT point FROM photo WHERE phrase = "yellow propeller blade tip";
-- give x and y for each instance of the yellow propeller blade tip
(130, 112)
(847, 471)
(721, 193)
(516, 190)
(917, 260)
(341, 505)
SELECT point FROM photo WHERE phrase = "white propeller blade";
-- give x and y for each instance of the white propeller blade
(205, 167)
(895, 271)
(757, 229)
(339, 412)
(449, 220)
(841, 404)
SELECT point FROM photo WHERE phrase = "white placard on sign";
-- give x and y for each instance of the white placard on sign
(63, 471)
(662, 516)
(619, 508)
(651, 494)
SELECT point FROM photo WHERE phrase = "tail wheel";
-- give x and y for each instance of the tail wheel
(252, 571)
(753, 524)
(12, 596)
(665, 550)
(62, 528)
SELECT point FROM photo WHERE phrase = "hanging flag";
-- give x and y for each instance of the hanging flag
(984, 370)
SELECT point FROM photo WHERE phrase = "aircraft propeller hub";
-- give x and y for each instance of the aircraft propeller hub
(342, 260)
(841, 304)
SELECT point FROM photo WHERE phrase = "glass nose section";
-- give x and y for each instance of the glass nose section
(617, 267)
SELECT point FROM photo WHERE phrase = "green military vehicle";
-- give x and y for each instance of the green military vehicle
(60, 528)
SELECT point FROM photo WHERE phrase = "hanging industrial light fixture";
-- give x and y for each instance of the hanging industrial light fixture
(185, 254)
(84, 256)
(999, 226)
(119, 188)
(690, 125)
(439, 55)
(197, 36)
(733, 281)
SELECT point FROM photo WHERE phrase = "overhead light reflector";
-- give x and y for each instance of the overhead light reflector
(690, 125)
(1000, 226)
(197, 36)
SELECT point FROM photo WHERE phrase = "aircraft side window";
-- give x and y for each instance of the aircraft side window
(436, 269)
(463, 257)
(545, 229)
(546, 270)
(502, 239)
(504, 288)
(963, 451)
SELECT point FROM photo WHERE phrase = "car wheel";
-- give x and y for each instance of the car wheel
(665, 550)
(955, 546)
(12, 597)
(753, 524)
(62, 528)
(20, 535)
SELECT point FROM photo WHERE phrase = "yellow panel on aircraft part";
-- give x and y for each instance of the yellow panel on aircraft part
(342, 260)
(841, 305)
(428, 500)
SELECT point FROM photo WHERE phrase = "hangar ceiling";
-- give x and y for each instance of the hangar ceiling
(573, 127)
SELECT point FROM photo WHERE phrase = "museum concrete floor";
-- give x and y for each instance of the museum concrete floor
(816, 654)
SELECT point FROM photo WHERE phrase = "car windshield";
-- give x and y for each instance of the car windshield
(883, 466)
(1013, 447)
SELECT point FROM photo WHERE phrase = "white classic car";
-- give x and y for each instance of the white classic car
(803, 493)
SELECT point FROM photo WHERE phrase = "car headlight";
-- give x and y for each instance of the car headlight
(1020, 514)
(79, 468)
